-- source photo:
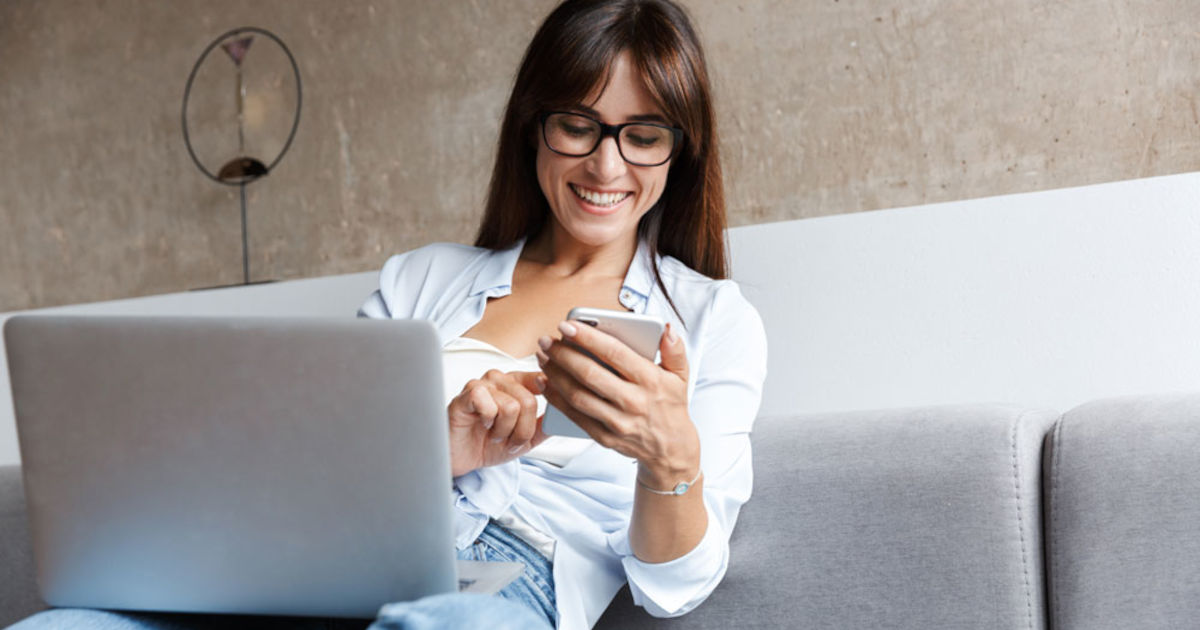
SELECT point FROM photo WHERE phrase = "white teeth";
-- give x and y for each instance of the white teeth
(600, 199)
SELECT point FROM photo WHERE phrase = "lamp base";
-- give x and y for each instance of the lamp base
(242, 170)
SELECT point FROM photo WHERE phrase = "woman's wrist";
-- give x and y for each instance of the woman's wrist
(678, 489)
(667, 470)
(665, 476)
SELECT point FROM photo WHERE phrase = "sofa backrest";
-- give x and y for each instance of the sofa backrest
(1046, 299)
(1122, 497)
(902, 518)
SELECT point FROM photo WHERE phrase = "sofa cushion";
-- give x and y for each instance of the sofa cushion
(18, 588)
(917, 518)
(1123, 514)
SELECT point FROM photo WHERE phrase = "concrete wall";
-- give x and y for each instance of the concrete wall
(826, 107)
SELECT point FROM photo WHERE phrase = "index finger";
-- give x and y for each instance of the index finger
(608, 350)
(528, 380)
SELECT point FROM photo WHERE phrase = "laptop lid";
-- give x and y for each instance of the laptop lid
(233, 465)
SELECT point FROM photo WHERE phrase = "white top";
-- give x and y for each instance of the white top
(586, 504)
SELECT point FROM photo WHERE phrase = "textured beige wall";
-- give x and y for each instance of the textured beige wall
(825, 107)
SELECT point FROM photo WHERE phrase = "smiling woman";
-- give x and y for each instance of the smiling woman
(606, 192)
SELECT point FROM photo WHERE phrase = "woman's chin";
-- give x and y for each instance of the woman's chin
(593, 236)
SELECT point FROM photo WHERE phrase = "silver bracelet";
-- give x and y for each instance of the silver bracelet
(679, 488)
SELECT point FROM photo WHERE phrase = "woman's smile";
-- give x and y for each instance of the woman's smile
(599, 201)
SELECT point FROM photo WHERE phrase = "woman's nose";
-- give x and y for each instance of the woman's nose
(606, 162)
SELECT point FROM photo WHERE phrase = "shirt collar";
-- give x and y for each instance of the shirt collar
(496, 276)
(639, 280)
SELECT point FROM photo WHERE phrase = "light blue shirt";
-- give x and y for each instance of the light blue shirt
(586, 505)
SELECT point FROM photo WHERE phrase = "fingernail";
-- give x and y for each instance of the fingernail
(487, 424)
(544, 343)
(671, 336)
(516, 449)
(567, 329)
(542, 357)
(497, 440)
(540, 382)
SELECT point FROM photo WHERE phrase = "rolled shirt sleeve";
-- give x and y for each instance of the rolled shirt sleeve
(670, 589)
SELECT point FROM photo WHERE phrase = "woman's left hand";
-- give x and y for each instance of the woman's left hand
(640, 412)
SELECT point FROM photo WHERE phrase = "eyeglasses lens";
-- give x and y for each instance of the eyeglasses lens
(639, 144)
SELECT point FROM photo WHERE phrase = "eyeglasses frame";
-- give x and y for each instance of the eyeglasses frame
(614, 132)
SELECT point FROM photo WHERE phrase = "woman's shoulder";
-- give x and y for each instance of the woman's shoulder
(412, 282)
(450, 258)
(437, 254)
(700, 292)
(434, 267)
(724, 329)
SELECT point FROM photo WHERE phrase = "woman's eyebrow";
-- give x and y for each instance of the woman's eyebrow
(584, 109)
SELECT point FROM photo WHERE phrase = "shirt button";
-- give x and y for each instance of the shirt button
(626, 295)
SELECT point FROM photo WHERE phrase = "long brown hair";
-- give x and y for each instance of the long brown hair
(571, 54)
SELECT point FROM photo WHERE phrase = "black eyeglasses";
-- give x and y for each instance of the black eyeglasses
(639, 143)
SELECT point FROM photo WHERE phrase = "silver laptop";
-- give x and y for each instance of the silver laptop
(235, 465)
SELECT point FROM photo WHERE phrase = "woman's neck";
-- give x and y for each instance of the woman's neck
(563, 255)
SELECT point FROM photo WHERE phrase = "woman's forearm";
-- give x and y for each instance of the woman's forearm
(666, 527)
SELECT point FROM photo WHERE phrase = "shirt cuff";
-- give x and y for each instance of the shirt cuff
(670, 589)
(480, 495)
(468, 521)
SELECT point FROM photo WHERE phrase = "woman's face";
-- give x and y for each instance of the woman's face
(598, 199)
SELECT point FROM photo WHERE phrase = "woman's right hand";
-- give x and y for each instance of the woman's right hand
(494, 419)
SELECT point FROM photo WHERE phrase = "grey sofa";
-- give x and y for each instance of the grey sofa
(979, 516)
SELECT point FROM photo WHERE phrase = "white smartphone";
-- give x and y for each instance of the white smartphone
(641, 333)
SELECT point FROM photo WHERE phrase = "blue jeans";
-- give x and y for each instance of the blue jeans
(526, 604)
(535, 588)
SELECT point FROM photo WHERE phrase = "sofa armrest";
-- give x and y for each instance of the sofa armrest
(907, 519)
(18, 589)
(1123, 514)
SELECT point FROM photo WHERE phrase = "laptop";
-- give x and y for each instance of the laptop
(236, 465)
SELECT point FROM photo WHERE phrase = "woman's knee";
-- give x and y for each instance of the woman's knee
(89, 619)
(93, 619)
